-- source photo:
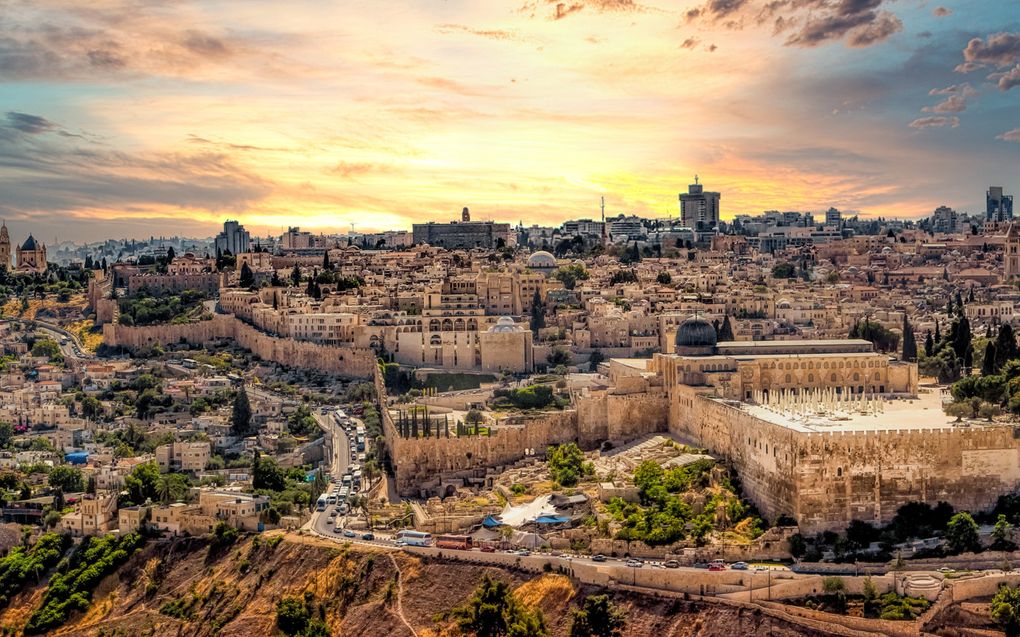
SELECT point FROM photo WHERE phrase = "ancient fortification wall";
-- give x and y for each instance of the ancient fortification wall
(345, 361)
(825, 479)
(424, 461)
(620, 417)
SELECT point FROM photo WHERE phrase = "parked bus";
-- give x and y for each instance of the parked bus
(458, 542)
(321, 503)
(414, 538)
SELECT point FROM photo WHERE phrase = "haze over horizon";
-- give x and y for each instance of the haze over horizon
(128, 118)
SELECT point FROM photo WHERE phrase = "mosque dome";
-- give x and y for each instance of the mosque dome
(504, 325)
(541, 260)
(695, 334)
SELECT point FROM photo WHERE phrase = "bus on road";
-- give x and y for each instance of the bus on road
(320, 505)
(458, 542)
(411, 537)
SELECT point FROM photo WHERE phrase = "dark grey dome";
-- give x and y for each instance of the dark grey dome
(695, 332)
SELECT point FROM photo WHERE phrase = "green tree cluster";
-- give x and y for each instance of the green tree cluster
(597, 617)
(23, 566)
(148, 308)
(493, 611)
(1005, 609)
(663, 515)
(531, 397)
(571, 274)
(567, 464)
(71, 587)
(884, 339)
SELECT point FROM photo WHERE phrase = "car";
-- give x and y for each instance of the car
(400, 543)
(739, 566)
(671, 564)
(701, 565)
(488, 548)
(368, 536)
(349, 533)
(716, 567)
(524, 552)
(760, 568)
(598, 558)
(945, 569)
(332, 518)
(635, 563)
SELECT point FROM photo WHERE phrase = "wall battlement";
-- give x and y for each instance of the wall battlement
(345, 361)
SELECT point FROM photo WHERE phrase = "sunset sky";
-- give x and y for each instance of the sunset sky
(137, 118)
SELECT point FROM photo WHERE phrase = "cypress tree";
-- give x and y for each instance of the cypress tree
(988, 367)
(537, 313)
(1005, 346)
(247, 276)
(909, 342)
(726, 332)
(929, 344)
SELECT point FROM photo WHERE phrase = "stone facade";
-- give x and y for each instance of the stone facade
(825, 479)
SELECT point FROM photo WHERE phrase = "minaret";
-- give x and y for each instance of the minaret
(605, 230)
(5, 246)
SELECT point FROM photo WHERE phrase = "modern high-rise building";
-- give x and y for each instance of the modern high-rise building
(699, 209)
(833, 218)
(944, 219)
(999, 207)
(234, 238)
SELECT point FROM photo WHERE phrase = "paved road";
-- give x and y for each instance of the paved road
(71, 349)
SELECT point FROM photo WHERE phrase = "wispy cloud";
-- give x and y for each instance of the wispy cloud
(935, 122)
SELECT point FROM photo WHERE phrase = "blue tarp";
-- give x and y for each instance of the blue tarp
(491, 522)
(77, 457)
(551, 519)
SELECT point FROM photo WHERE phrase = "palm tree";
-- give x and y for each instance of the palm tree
(371, 470)
(164, 489)
(506, 533)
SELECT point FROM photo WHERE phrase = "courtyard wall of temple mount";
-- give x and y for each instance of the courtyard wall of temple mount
(825, 479)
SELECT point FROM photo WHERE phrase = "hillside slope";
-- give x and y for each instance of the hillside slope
(183, 588)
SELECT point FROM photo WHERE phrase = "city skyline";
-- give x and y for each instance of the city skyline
(131, 120)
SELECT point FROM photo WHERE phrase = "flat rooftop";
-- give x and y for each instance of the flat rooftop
(797, 343)
(924, 412)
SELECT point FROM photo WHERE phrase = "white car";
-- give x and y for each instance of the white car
(635, 563)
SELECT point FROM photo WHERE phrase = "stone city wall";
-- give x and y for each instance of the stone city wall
(600, 417)
(764, 455)
(825, 479)
(345, 361)
(619, 417)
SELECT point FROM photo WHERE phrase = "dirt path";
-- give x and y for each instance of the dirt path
(400, 594)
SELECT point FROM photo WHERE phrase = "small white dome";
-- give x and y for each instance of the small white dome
(541, 259)
(504, 324)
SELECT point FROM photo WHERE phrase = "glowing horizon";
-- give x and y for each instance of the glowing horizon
(135, 118)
